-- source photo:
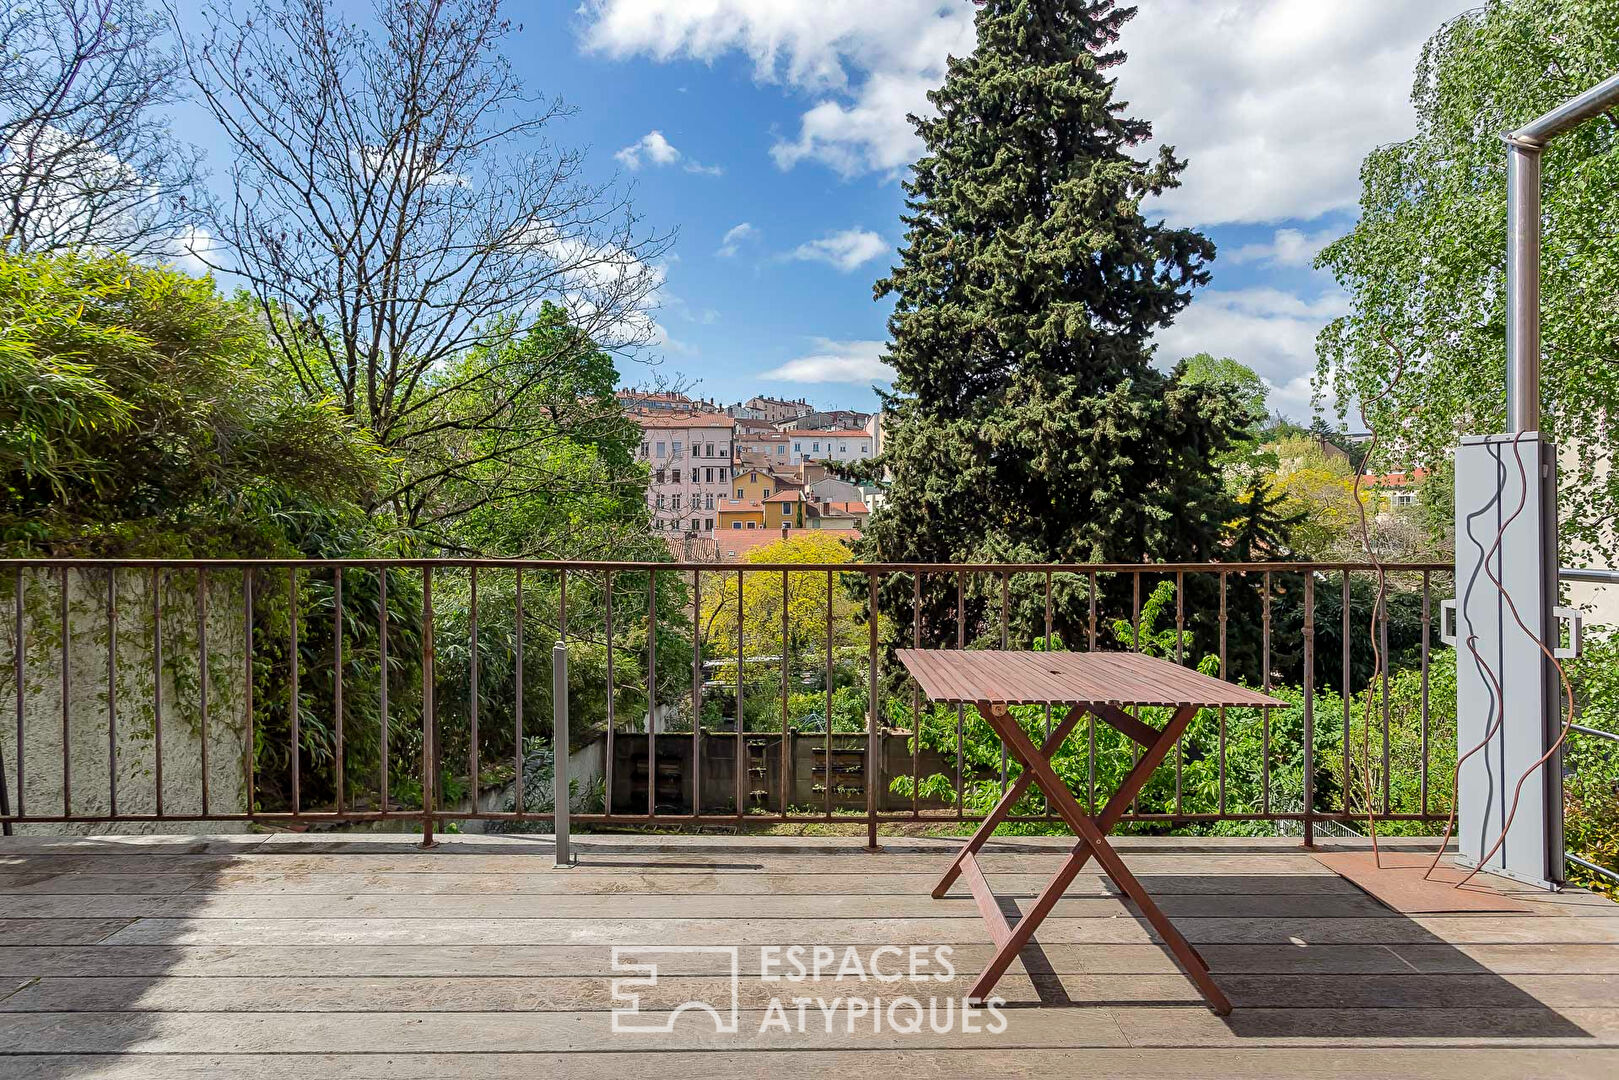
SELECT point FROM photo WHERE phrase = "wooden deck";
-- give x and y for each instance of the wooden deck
(284, 955)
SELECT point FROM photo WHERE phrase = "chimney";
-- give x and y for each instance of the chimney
(784, 530)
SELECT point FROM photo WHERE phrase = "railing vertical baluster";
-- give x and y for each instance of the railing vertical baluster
(1382, 614)
(1005, 588)
(474, 685)
(1135, 645)
(612, 692)
(652, 694)
(1045, 805)
(826, 750)
(292, 696)
(1180, 658)
(251, 762)
(1222, 803)
(382, 682)
(1264, 713)
(202, 681)
(916, 698)
(741, 738)
(67, 763)
(873, 755)
(961, 713)
(517, 698)
(338, 764)
(785, 652)
(112, 692)
(157, 687)
(18, 664)
(1090, 718)
(429, 717)
(697, 699)
(1309, 709)
(1347, 694)
(1422, 715)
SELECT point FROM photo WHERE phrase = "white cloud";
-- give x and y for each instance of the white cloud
(846, 250)
(1274, 102)
(732, 240)
(837, 362)
(1287, 247)
(1271, 331)
(655, 150)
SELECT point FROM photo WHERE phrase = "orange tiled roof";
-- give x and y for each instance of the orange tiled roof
(653, 418)
(733, 545)
(793, 495)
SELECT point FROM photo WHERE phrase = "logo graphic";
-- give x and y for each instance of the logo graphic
(628, 1017)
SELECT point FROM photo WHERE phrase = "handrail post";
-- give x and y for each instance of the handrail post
(873, 756)
(429, 751)
(1309, 709)
(559, 754)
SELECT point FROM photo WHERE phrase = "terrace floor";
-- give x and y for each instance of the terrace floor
(295, 955)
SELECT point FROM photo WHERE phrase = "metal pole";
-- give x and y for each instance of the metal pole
(1523, 287)
(559, 753)
(1523, 246)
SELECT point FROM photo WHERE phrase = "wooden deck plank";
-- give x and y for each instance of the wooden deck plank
(738, 861)
(632, 905)
(578, 993)
(552, 883)
(1346, 1063)
(607, 931)
(556, 960)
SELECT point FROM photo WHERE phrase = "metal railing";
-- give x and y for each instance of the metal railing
(369, 691)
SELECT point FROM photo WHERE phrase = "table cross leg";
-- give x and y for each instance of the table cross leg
(1008, 800)
(1093, 841)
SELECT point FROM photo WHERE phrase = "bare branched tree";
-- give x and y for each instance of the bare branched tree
(87, 158)
(397, 203)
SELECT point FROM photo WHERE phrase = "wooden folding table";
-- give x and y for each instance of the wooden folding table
(1103, 685)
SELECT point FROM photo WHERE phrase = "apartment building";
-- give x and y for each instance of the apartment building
(852, 444)
(690, 458)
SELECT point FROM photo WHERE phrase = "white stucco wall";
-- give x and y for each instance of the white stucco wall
(92, 743)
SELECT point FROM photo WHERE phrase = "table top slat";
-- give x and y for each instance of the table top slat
(1018, 677)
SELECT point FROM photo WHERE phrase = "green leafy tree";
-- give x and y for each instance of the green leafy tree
(1243, 381)
(1424, 268)
(1027, 422)
(142, 411)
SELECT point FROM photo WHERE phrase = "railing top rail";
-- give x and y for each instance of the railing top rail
(848, 568)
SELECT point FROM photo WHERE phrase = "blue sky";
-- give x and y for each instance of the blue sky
(771, 135)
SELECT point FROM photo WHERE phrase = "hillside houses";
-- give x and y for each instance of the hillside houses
(747, 468)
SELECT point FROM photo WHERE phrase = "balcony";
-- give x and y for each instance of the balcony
(364, 884)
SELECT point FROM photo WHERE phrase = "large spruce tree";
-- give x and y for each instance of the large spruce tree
(1027, 422)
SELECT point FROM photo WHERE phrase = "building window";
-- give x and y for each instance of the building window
(661, 454)
(643, 451)
(675, 503)
(725, 450)
(736, 524)
(708, 524)
(751, 525)
(815, 448)
(708, 451)
(739, 493)
(708, 502)
(708, 476)
(724, 474)
(798, 448)
(865, 448)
